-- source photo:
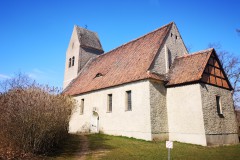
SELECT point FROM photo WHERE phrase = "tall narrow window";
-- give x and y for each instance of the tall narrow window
(219, 106)
(128, 100)
(73, 59)
(169, 59)
(82, 106)
(109, 109)
(70, 62)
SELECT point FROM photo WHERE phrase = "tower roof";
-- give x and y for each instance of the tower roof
(88, 39)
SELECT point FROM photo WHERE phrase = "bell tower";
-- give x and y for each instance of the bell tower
(83, 46)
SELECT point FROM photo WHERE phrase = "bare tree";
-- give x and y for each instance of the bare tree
(19, 81)
(231, 65)
(33, 117)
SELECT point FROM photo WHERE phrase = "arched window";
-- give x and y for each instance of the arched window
(73, 59)
(69, 63)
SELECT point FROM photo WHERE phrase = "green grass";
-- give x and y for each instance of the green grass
(105, 147)
(123, 148)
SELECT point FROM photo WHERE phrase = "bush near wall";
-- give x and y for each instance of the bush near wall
(33, 118)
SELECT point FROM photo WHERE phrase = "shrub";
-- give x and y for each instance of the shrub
(33, 118)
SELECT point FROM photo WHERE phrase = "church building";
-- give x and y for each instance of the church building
(150, 88)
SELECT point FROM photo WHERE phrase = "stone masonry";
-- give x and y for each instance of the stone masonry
(175, 47)
(159, 120)
(218, 129)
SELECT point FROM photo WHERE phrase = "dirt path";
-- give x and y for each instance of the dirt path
(81, 155)
(77, 148)
(85, 150)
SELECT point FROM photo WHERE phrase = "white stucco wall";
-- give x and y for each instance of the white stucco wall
(185, 116)
(72, 50)
(135, 123)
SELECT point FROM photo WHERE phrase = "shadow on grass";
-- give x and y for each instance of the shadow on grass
(99, 141)
(72, 147)
(68, 148)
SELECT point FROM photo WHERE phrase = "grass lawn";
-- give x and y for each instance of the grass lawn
(121, 148)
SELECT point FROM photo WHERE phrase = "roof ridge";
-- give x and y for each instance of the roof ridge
(137, 38)
(196, 53)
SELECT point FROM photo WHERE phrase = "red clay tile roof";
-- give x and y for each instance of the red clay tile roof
(127, 63)
(188, 68)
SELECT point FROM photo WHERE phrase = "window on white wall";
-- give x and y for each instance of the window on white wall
(219, 106)
(109, 107)
(82, 106)
(70, 62)
(128, 100)
(73, 59)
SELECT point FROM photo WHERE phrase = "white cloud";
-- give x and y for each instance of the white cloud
(3, 77)
(46, 76)
(37, 74)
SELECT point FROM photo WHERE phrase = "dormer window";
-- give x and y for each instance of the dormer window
(98, 75)
(69, 63)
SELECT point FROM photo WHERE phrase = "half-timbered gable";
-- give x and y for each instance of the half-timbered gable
(214, 74)
(203, 66)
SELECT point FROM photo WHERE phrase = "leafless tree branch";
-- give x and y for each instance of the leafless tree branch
(33, 117)
(231, 66)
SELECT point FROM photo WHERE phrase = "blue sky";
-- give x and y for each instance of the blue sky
(34, 34)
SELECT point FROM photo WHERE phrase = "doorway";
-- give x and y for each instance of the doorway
(94, 128)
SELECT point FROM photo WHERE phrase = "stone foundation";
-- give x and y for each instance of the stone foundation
(222, 139)
(160, 137)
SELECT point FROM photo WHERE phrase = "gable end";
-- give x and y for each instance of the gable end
(214, 74)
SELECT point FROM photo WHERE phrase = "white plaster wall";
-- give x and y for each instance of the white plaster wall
(73, 50)
(135, 123)
(185, 115)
